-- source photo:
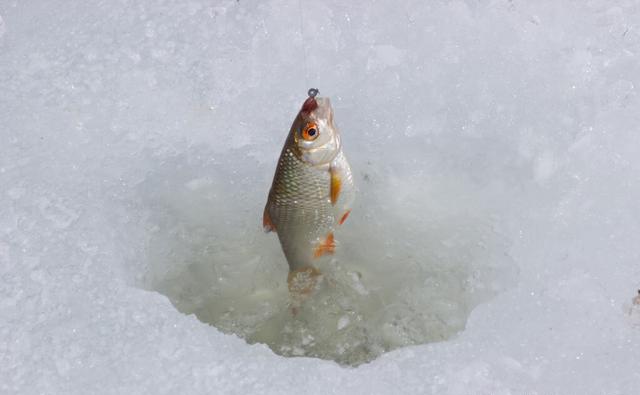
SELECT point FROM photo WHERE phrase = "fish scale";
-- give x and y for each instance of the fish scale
(300, 199)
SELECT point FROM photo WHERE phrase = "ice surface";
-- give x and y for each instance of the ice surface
(495, 147)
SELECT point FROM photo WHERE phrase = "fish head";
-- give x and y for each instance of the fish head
(315, 136)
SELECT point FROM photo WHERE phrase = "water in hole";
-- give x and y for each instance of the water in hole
(413, 260)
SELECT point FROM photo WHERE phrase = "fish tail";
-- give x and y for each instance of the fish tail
(302, 281)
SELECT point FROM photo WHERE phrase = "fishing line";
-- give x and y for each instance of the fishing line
(304, 47)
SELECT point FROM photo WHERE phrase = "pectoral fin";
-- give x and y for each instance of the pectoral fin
(336, 185)
(267, 224)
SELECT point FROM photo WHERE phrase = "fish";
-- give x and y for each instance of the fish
(311, 194)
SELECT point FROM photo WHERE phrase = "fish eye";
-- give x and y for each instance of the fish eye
(310, 132)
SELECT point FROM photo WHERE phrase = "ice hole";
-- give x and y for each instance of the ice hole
(416, 256)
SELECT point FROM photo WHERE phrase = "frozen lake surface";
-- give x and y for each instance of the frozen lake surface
(493, 248)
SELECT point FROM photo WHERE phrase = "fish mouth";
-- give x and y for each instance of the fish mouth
(317, 108)
(324, 109)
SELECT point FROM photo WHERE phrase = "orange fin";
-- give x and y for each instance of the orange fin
(267, 224)
(336, 184)
(344, 217)
(328, 246)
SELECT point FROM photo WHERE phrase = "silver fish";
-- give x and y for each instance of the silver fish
(311, 194)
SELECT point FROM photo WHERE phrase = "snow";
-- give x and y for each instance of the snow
(492, 250)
